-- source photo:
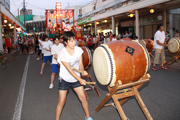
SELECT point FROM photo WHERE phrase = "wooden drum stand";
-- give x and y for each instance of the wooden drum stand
(125, 94)
(91, 87)
(175, 58)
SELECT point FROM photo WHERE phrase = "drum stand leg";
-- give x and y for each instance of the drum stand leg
(175, 57)
(127, 90)
(151, 55)
(92, 87)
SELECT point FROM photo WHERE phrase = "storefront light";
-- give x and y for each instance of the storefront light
(2, 34)
(105, 21)
(84, 25)
(131, 15)
(151, 10)
(5, 21)
(97, 23)
(4, 25)
(90, 24)
(9, 24)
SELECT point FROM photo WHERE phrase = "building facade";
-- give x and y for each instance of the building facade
(118, 16)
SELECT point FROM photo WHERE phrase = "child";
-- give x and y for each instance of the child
(136, 38)
(47, 52)
(114, 37)
(69, 57)
(55, 49)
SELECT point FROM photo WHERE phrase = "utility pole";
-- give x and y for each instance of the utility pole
(24, 10)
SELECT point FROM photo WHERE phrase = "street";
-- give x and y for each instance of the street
(161, 94)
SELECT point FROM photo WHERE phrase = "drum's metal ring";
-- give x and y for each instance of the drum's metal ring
(111, 63)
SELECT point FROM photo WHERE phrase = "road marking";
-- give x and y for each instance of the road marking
(19, 102)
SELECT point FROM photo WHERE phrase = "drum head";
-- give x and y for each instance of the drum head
(102, 66)
(174, 45)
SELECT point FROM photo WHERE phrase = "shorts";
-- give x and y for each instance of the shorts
(63, 85)
(55, 68)
(46, 59)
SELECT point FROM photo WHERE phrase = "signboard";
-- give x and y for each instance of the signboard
(84, 21)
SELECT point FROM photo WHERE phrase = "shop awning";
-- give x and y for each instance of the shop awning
(8, 15)
(116, 2)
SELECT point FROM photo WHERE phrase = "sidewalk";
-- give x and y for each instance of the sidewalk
(7, 56)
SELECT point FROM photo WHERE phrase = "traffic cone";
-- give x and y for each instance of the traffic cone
(6, 50)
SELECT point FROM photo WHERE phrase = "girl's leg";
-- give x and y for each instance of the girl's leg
(61, 101)
(81, 94)
(42, 67)
(52, 77)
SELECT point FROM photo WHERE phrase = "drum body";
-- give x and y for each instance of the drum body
(127, 39)
(87, 58)
(174, 46)
(148, 43)
(81, 43)
(30, 43)
(123, 60)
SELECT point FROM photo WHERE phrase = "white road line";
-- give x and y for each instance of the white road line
(19, 102)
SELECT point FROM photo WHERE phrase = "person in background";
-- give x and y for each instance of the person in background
(68, 27)
(119, 36)
(177, 33)
(114, 37)
(167, 37)
(47, 52)
(55, 49)
(40, 47)
(136, 38)
(21, 44)
(36, 48)
(126, 34)
(122, 36)
(159, 44)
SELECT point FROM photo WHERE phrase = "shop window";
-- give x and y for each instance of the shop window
(103, 0)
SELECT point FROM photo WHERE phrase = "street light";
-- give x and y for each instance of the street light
(97, 23)
(151, 10)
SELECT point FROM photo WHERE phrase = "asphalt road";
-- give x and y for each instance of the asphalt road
(161, 94)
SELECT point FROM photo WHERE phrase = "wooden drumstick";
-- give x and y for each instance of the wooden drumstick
(82, 73)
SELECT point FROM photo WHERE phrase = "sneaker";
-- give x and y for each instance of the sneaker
(51, 86)
(90, 118)
(162, 67)
(37, 58)
(153, 68)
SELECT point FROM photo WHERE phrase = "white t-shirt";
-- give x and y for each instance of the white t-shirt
(47, 45)
(114, 39)
(136, 40)
(72, 60)
(55, 50)
(40, 41)
(67, 28)
(161, 37)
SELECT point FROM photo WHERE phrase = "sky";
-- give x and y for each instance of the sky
(38, 6)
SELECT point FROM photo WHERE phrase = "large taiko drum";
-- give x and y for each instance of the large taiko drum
(87, 58)
(30, 43)
(148, 43)
(81, 43)
(174, 46)
(123, 60)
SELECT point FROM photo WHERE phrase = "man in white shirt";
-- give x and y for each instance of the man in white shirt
(159, 44)
(55, 49)
(47, 52)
